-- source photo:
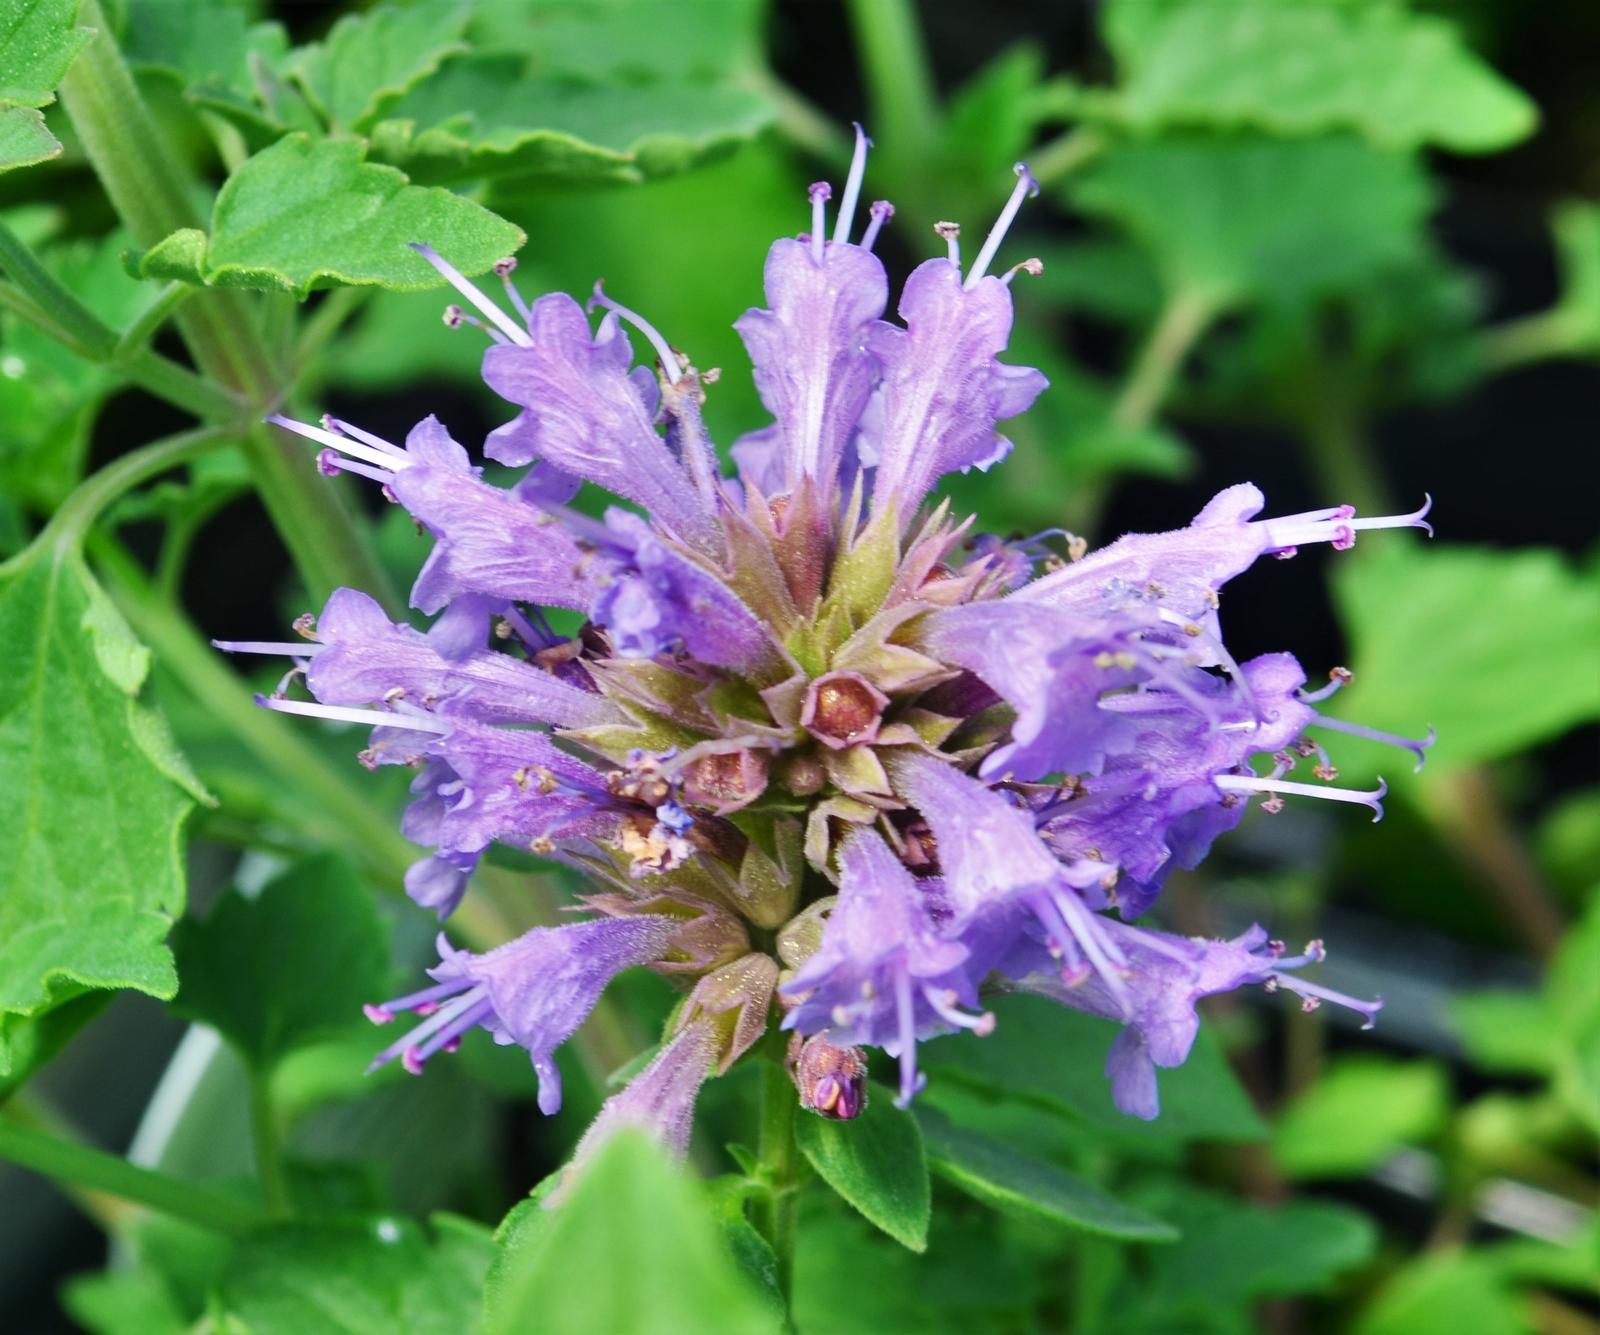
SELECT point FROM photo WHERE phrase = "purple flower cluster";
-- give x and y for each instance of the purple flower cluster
(803, 706)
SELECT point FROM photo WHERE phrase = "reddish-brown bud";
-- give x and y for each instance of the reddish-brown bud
(727, 780)
(832, 1081)
(843, 709)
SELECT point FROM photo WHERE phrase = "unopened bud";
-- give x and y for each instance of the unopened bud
(843, 709)
(831, 1080)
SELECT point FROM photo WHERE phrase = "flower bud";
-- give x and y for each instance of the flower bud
(843, 709)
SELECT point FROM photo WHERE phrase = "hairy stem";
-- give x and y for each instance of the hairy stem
(777, 1211)
(149, 191)
(72, 1163)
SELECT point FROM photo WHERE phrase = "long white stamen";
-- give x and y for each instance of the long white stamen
(669, 359)
(1369, 1009)
(1026, 186)
(375, 718)
(340, 427)
(1338, 526)
(515, 332)
(852, 188)
(390, 463)
(1417, 748)
(1243, 783)
(330, 463)
(272, 648)
(820, 192)
(880, 212)
(944, 1006)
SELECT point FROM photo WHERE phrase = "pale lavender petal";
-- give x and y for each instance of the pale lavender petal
(584, 413)
(811, 368)
(943, 389)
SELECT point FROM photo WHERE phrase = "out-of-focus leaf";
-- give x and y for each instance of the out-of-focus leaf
(1495, 649)
(307, 213)
(30, 1043)
(1456, 1290)
(1357, 1112)
(1568, 840)
(487, 115)
(999, 1176)
(39, 39)
(1567, 1265)
(1231, 1253)
(368, 1277)
(627, 41)
(368, 61)
(50, 397)
(203, 44)
(1239, 218)
(751, 1252)
(24, 139)
(1109, 277)
(1045, 1051)
(1401, 79)
(875, 1162)
(981, 1273)
(989, 122)
(130, 1301)
(1510, 1033)
(93, 873)
(1573, 990)
(286, 967)
(634, 1247)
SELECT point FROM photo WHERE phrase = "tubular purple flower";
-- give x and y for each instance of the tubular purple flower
(882, 976)
(809, 667)
(534, 992)
(1167, 975)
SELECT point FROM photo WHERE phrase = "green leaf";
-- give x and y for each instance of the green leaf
(1048, 1052)
(1239, 218)
(39, 39)
(1357, 1113)
(50, 398)
(1232, 1253)
(208, 47)
(628, 41)
(306, 213)
(1401, 79)
(635, 1247)
(292, 965)
(1496, 649)
(368, 1277)
(488, 115)
(1573, 990)
(93, 874)
(130, 1301)
(1000, 1177)
(1507, 1033)
(875, 1162)
(1453, 1290)
(370, 60)
(24, 140)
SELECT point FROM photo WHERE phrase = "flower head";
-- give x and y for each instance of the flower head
(808, 706)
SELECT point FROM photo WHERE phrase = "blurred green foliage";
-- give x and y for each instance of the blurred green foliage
(1239, 223)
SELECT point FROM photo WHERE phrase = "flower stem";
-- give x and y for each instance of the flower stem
(71, 522)
(899, 79)
(777, 1211)
(43, 301)
(1052, 163)
(269, 1150)
(148, 189)
(1185, 317)
(72, 1163)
